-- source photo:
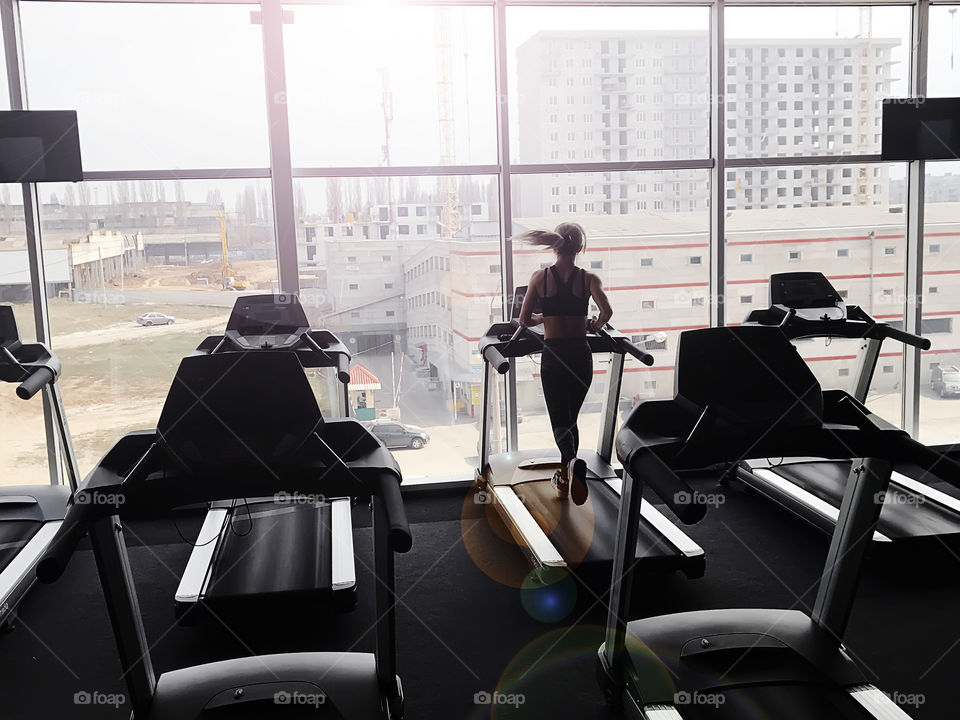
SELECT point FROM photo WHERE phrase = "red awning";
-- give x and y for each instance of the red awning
(363, 379)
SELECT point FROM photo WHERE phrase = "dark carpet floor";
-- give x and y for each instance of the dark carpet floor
(465, 627)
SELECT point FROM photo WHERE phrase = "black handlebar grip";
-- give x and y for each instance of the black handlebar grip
(343, 368)
(388, 494)
(633, 349)
(61, 549)
(496, 359)
(907, 338)
(686, 504)
(36, 380)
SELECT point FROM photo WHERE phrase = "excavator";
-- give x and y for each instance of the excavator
(229, 280)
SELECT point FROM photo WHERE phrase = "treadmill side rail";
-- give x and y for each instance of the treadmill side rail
(193, 583)
(343, 573)
(677, 537)
(877, 703)
(661, 712)
(530, 533)
(15, 579)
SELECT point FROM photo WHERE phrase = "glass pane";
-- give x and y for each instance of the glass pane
(4, 94)
(23, 453)
(136, 278)
(817, 88)
(155, 86)
(860, 248)
(382, 263)
(940, 366)
(419, 89)
(648, 240)
(943, 73)
(594, 84)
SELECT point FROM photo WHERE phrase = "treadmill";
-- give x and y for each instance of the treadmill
(251, 553)
(30, 515)
(744, 392)
(919, 512)
(553, 533)
(257, 432)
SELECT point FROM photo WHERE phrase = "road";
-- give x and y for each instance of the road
(212, 298)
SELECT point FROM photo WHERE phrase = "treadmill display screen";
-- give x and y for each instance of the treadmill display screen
(802, 290)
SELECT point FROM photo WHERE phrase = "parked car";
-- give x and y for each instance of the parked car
(155, 318)
(397, 435)
(945, 379)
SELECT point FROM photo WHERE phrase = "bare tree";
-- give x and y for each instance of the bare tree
(335, 211)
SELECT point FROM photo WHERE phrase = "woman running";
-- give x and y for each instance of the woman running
(566, 369)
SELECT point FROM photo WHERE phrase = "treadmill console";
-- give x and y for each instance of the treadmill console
(267, 321)
(810, 294)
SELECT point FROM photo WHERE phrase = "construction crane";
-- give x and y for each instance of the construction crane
(386, 102)
(450, 211)
(229, 279)
(867, 99)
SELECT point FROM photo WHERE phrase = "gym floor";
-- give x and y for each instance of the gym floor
(464, 628)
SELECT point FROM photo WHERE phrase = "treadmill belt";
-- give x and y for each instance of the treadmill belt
(273, 547)
(585, 534)
(905, 514)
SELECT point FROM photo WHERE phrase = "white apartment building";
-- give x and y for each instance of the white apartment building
(644, 96)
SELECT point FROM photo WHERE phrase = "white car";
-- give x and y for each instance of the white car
(155, 318)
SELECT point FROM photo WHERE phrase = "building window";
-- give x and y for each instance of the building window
(887, 369)
(843, 252)
(843, 372)
(649, 384)
(494, 269)
(746, 299)
(354, 286)
(354, 315)
(403, 211)
(390, 313)
(889, 251)
(646, 262)
(746, 257)
(933, 290)
(647, 305)
(351, 258)
(935, 249)
(596, 264)
(388, 286)
(696, 260)
(697, 302)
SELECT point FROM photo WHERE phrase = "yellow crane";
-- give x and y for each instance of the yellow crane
(229, 278)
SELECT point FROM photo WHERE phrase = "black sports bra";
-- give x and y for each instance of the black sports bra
(564, 302)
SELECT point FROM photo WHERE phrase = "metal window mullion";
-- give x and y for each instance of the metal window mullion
(17, 88)
(717, 174)
(506, 205)
(281, 168)
(916, 170)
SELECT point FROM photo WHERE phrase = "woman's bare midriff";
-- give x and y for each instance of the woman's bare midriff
(564, 326)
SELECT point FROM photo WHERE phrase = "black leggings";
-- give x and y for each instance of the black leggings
(566, 370)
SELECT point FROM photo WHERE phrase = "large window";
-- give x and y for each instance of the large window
(416, 87)
(407, 272)
(859, 243)
(23, 451)
(648, 241)
(136, 280)
(815, 89)
(608, 84)
(155, 86)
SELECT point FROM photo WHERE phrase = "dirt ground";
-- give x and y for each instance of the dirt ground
(260, 274)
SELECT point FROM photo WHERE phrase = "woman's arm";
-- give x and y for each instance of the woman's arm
(599, 297)
(530, 300)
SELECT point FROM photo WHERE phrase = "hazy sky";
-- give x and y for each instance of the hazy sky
(167, 86)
